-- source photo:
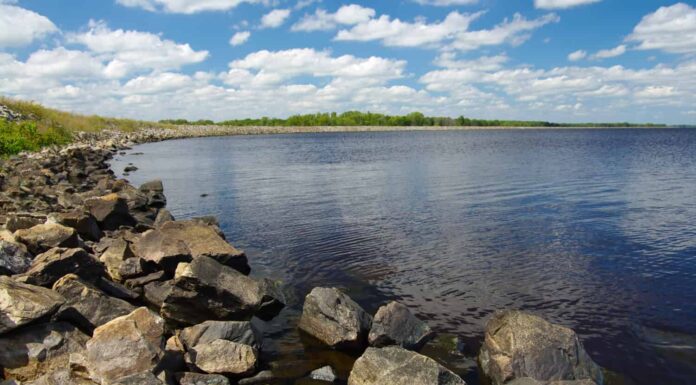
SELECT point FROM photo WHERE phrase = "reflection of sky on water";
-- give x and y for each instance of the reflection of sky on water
(593, 229)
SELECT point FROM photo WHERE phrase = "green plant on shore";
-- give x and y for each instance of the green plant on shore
(21, 136)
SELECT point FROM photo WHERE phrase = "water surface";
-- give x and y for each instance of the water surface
(593, 229)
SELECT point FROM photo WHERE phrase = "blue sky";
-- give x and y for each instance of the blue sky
(560, 60)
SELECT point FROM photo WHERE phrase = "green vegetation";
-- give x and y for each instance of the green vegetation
(25, 136)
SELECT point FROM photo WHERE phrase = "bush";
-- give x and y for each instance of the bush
(21, 136)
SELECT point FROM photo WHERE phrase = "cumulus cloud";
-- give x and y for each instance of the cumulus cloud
(561, 4)
(275, 18)
(184, 6)
(513, 32)
(670, 29)
(609, 53)
(240, 38)
(446, 3)
(19, 26)
(322, 20)
(577, 55)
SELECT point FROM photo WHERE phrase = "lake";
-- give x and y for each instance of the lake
(593, 229)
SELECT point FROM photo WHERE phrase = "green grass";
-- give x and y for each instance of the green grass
(16, 137)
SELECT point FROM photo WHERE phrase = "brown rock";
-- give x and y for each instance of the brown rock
(45, 236)
(21, 303)
(50, 266)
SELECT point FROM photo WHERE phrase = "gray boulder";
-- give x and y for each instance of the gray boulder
(335, 319)
(519, 344)
(21, 303)
(189, 378)
(223, 357)
(242, 332)
(83, 222)
(395, 325)
(110, 211)
(50, 266)
(394, 365)
(42, 237)
(14, 258)
(325, 373)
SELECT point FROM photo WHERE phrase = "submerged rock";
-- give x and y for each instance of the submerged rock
(325, 373)
(395, 325)
(335, 319)
(41, 238)
(397, 366)
(519, 344)
(21, 303)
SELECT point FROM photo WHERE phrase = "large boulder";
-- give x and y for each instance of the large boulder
(125, 346)
(83, 222)
(333, 318)
(394, 324)
(206, 290)
(50, 266)
(21, 303)
(86, 306)
(14, 258)
(20, 221)
(34, 351)
(519, 344)
(223, 357)
(394, 365)
(154, 191)
(182, 241)
(110, 211)
(42, 237)
(118, 251)
(242, 332)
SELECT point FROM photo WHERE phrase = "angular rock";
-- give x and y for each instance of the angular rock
(21, 303)
(394, 365)
(394, 324)
(116, 290)
(206, 290)
(163, 216)
(135, 283)
(145, 378)
(263, 377)
(50, 266)
(133, 268)
(335, 319)
(31, 352)
(14, 258)
(189, 378)
(519, 344)
(325, 373)
(60, 377)
(126, 346)
(242, 332)
(46, 236)
(114, 255)
(111, 211)
(83, 222)
(21, 221)
(86, 306)
(156, 292)
(154, 190)
(531, 381)
(182, 241)
(223, 357)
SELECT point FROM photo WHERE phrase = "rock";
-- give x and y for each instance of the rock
(153, 186)
(133, 268)
(263, 377)
(83, 222)
(395, 325)
(144, 280)
(334, 319)
(519, 344)
(125, 346)
(60, 377)
(110, 211)
(31, 352)
(325, 373)
(14, 258)
(50, 266)
(206, 290)
(163, 216)
(21, 221)
(116, 290)
(223, 357)
(86, 306)
(182, 241)
(145, 378)
(45, 236)
(154, 190)
(394, 365)
(21, 303)
(531, 381)
(201, 379)
(114, 255)
(242, 332)
(174, 351)
(156, 292)
(130, 169)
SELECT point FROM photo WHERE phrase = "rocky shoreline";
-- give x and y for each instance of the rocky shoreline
(99, 284)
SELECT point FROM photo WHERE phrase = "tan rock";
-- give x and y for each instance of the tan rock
(222, 356)
(21, 303)
(48, 235)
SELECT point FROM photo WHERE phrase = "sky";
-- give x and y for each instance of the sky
(554, 60)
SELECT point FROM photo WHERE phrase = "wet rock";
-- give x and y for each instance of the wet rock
(125, 346)
(201, 379)
(325, 373)
(130, 169)
(22, 221)
(395, 325)
(33, 351)
(86, 306)
(262, 377)
(163, 216)
(114, 255)
(242, 332)
(394, 365)
(223, 357)
(110, 211)
(181, 241)
(14, 258)
(21, 303)
(50, 266)
(335, 319)
(206, 290)
(519, 344)
(83, 222)
(42, 237)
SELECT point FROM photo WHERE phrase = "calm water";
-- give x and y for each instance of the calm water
(594, 229)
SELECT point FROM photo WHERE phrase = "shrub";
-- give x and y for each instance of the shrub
(21, 136)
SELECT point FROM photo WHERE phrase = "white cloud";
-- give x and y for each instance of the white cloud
(514, 32)
(609, 53)
(134, 50)
(577, 55)
(656, 92)
(671, 29)
(184, 6)
(394, 32)
(240, 38)
(446, 3)
(275, 18)
(561, 4)
(322, 20)
(19, 26)
(484, 63)
(157, 83)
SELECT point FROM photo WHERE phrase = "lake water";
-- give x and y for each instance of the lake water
(593, 229)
